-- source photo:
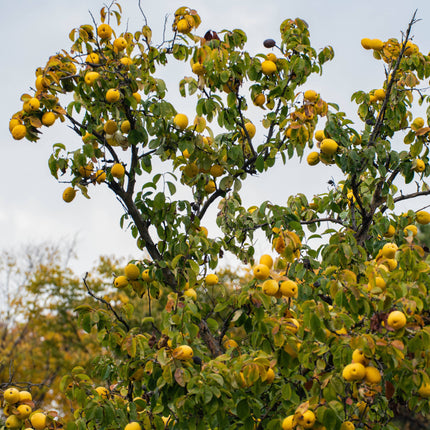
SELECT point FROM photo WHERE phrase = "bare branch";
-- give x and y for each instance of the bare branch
(107, 304)
(328, 219)
(143, 13)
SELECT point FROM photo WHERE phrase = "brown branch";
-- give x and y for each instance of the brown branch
(226, 325)
(108, 305)
(328, 219)
(381, 115)
(209, 340)
(407, 197)
(140, 223)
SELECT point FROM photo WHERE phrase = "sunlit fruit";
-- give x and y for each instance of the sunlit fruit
(112, 95)
(268, 67)
(270, 375)
(131, 271)
(102, 392)
(48, 118)
(376, 44)
(104, 31)
(396, 320)
(347, 425)
(210, 187)
(354, 372)
(198, 69)
(25, 396)
(137, 97)
(100, 176)
(271, 57)
(13, 422)
(85, 171)
(373, 375)
(146, 275)
(120, 43)
(250, 129)
(423, 217)
(310, 95)
(19, 132)
(183, 26)
(288, 288)
(391, 263)
(125, 126)
(181, 121)
(11, 395)
(216, 170)
(313, 158)
(261, 272)
(211, 279)
(126, 61)
(117, 170)
(307, 419)
(69, 194)
(13, 122)
(133, 426)
(183, 352)
(259, 100)
(270, 287)
(328, 146)
(38, 421)
(366, 43)
(417, 123)
(319, 135)
(359, 357)
(389, 250)
(379, 94)
(289, 423)
(120, 281)
(390, 231)
(110, 127)
(410, 229)
(267, 260)
(424, 390)
(380, 282)
(42, 83)
(191, 293)
(34, 104)
(92, 58)
(91, 77)
(420, 165)
(24, 411)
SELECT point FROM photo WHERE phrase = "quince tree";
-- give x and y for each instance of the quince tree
(335, 337)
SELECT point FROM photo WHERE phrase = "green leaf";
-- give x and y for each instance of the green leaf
(243, 409)
(259, 163)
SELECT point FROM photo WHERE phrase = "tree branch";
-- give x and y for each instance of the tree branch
(108, 305)
(329, 219)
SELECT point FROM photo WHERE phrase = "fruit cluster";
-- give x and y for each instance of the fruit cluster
(18, 408)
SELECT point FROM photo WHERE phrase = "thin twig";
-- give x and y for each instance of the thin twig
(108, 305)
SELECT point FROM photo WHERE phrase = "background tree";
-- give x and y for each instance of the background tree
(333, 337)
(40, 337)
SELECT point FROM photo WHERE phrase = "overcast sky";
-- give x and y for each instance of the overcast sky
(31, 207)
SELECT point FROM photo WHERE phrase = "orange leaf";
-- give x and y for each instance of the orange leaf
(422, 131)
(398, 344)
